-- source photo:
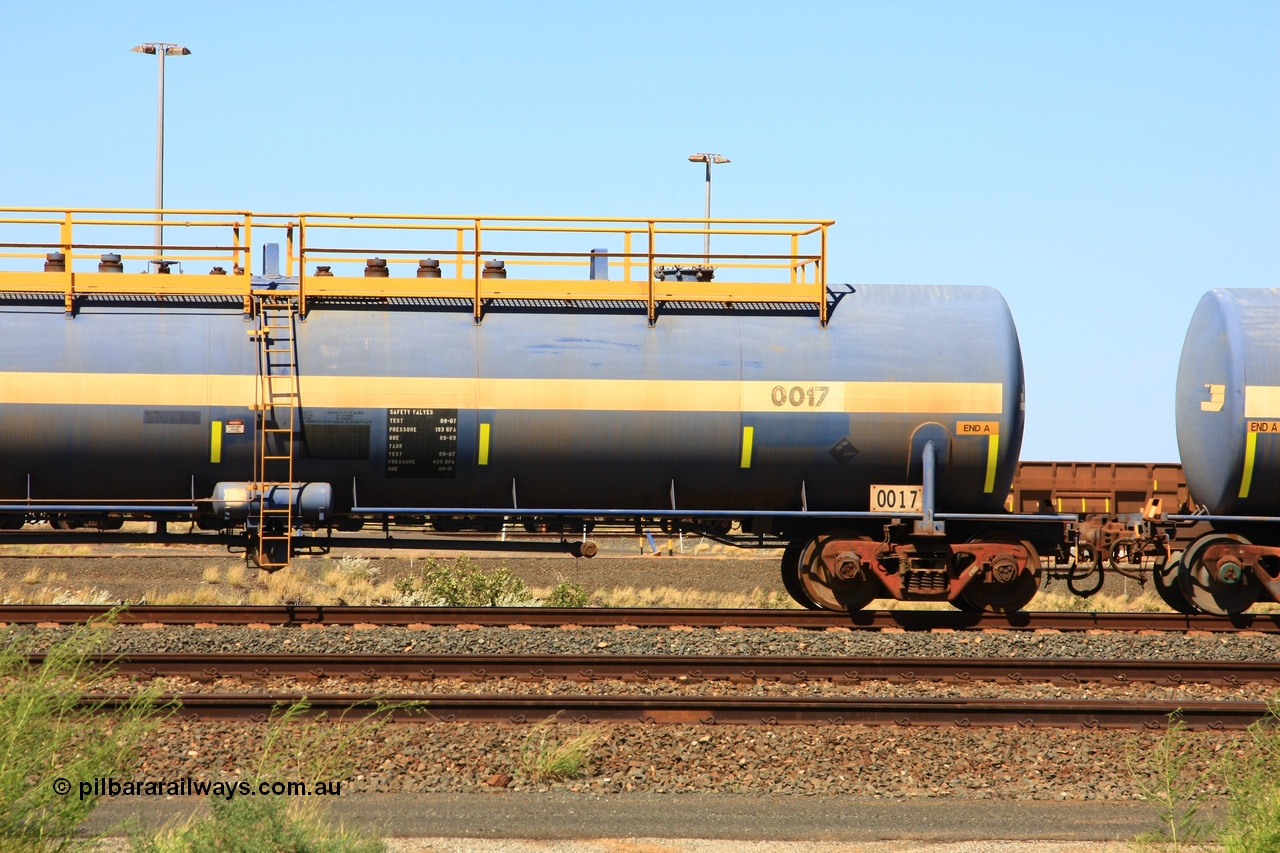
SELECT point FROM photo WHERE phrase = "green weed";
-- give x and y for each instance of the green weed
(462, 584)
(51, 741)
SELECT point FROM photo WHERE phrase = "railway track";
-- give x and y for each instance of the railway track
(688, 668)
(1150, 715)
(702, 709)
(906, 620)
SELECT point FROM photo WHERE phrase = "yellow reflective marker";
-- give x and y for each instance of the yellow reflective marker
(1217, 397)
(1250, 450)
(748, 435)
(215, 443)
(484, 444)
(993, 453)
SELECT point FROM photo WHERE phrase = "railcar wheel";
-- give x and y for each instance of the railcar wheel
(822, 585)
(791, 574)
(1168, 587)
(1004, 596)
(1206, 592)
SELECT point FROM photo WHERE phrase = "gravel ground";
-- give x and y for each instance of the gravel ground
(877, 764)
(130, 577)
(683, 640)
(871, 762)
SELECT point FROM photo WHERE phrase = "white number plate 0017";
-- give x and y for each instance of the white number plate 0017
(895, 498)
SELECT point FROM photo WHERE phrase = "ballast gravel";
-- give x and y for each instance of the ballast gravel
(684, 641)
(835, 760)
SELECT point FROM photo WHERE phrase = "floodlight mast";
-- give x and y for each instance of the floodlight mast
(160, 49)
(709, 159)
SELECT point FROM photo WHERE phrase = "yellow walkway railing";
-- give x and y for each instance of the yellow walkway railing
(110, 251)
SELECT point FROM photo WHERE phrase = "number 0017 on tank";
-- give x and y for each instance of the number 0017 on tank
(895, 498)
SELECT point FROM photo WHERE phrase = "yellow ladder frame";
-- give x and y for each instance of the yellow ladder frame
(277, 387)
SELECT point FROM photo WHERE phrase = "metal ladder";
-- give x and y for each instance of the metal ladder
(276, 404)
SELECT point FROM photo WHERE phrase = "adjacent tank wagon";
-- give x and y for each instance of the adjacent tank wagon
(1228, 422)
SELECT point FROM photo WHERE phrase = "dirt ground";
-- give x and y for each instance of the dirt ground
(129, 576)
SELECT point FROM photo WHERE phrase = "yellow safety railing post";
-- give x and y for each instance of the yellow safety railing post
(626, 256)
(247, 267)
(653, 314)
(457, 266)
(795, 255)
(65, 241)
(476, 270)
(302, 264)
(288, 254)
(820, 276)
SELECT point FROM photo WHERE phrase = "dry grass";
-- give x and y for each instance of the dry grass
(46, 594)
(196, 595)
(357, 581)
(668, 596)
(237, 576)
(42, 550)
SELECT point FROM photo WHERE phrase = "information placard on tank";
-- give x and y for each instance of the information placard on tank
(422, 442)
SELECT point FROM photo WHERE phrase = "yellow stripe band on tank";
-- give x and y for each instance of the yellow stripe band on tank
(215, 442)
(748, 436)
(622, 395)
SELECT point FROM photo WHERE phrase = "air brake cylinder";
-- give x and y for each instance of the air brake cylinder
(310, 502)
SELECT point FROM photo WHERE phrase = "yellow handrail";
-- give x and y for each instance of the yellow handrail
(751, 260)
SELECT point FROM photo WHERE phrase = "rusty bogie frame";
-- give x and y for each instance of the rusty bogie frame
(938, 571)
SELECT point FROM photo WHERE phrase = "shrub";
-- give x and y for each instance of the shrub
(1253, 779)
(545, 759)
(253, 824)
(293, 749)
(1174, 777)
(462, 584)
(48, 735)
(567, 593)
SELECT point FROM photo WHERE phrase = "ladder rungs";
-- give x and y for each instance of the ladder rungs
(278, 388)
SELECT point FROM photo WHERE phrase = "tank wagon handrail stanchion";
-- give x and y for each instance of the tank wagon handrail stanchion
(475, 270)
(503, 239)
(652, 305)
(75, 240)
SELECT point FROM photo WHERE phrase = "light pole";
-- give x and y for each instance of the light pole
(708, 159)
(160, 49)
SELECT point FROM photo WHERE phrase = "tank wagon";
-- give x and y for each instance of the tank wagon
(469, 374)
(1228, 422)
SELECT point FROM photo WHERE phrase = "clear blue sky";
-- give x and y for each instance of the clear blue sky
(1102, 164)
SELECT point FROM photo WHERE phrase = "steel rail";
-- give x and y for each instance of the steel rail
(720, 710)
(690, 668)
(906, 620)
